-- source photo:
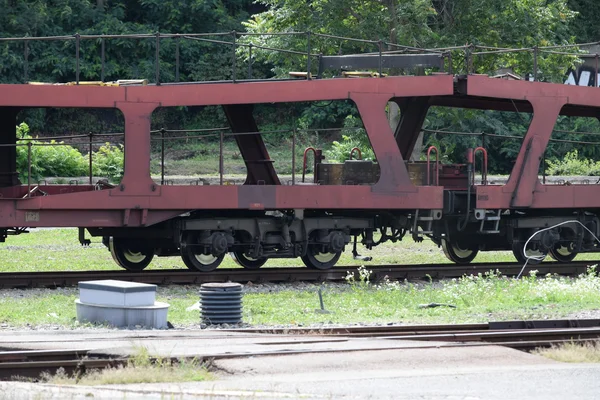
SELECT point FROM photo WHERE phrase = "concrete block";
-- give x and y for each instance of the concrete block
(117, 293)
(154, 316)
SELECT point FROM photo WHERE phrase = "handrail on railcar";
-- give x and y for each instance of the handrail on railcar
(484, 164)
(437, 165)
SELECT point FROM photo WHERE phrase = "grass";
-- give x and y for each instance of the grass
(588, 352)
(140, 368)
(476, 298)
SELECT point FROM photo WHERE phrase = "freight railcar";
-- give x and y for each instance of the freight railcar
(367, 202)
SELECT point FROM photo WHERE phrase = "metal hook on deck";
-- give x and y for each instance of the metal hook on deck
(304, 160)
(356, 149)
(437, 165)
(483, 164)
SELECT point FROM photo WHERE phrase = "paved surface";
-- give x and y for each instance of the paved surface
(340, 369)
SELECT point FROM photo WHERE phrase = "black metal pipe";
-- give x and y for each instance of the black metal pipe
(221, 159)
(596, 69)
(233, 59)
(77, 45)
(102, 58)
(91, 135)
(162, 156)
(26, 61)
(294, 157)
(177, 59)
(250, 61)
(308, 49)
(29, 144)
(535, 63)
(157, 59)
(380, 55)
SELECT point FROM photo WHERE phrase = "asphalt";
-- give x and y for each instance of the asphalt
(334, 368)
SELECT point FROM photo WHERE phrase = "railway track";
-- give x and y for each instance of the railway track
(276, 275)
(522, 335)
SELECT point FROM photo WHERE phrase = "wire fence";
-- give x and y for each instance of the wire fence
(455, 59)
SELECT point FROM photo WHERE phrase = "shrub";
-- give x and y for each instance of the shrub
(108, 161)
(55, 159)
(571, 164)
(353, 135)
(47, 159)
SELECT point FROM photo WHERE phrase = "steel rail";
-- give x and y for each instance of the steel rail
(31, 363)
(276, 275)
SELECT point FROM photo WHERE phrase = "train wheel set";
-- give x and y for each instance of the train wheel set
(358, 201)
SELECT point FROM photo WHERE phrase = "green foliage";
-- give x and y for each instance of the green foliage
(108, 161)
(56, 159)
(573, 165)
(353, 135)
(47, 158)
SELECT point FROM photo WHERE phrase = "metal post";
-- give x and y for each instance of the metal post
(102, 58)
(380, 55)
(535, 63)
(596, 83)
(157, 59)
(483, 140)
(450, 67)
(77, 44)
(544, 168)
(308, 66)
(177, 59)
(250, 61)
(467, 58)
(29, 144)
(26, 62)
(90, 149)
(233, 66)
(293, 157)
(221, 158)
(162, 156)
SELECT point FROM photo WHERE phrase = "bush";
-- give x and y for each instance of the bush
(47, 158)
(572, 165)
(108, 161)
(55, 159)
(353, 135)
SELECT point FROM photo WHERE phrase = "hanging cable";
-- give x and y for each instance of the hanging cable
(541, 258)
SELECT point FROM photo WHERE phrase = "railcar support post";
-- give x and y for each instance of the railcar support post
(29, 144)
(535, 63)
(162, 156)
(308, 49)
(233, 57)
(77, 44)
(102, 58)
(380, 44)
(250, 61)
(91, 135)
(177, 58)
(221, 158)
(294, 156)
(596, 83)
(157, 59)
(25, 61)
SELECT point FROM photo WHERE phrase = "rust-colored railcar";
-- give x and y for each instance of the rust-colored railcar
(369, 201)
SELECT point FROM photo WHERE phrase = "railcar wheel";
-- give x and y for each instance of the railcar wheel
(247, 262)
(522, 257)
(130, 254)
(316, 260)
(562, 253)
(459, 254)
(201, 262)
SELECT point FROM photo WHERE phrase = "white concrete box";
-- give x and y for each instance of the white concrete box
(117, 293)
(154, 316)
